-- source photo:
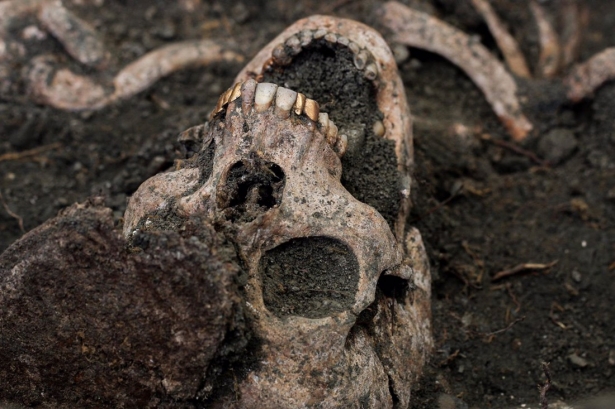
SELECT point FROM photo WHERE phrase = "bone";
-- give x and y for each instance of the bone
(320, 33)
(79, 39)
(323, 122)
(550, 48)
(306, 37)
(506, 42)
(280, 56)
(420, 30)
(265, 93)
(371, 71)
(585, 78)
(390, 96)
(74, 92)
(163, 61)
(248, 89)
(293, 44)
(331, 37)
(284, 101)
(332, 134)
(343, 41)
(341, 144)
(378, 128)
(360, 59)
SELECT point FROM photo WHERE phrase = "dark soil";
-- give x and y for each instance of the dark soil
(481, 208)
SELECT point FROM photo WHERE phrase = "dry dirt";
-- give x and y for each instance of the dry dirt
(481, 208)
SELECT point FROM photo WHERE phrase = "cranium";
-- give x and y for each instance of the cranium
(337, 295)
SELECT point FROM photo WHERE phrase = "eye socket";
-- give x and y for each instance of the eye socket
(252, 187)
(312, 277)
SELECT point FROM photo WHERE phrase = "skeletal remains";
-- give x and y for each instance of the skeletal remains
(338, 297)
(305, 166)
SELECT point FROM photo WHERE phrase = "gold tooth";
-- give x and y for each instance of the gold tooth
(311, 109)
(226, 96)
(236, 92)
(299, 103)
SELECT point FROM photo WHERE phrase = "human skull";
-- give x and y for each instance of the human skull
(337, 301)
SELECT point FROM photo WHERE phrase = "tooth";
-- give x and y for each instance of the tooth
(332, 134)
(371, 71)
(323, 121)
(293, 44)
(311, 109)
(236, 92)
(305, 37)
(341, 145)
(360, 59)
(354, 47)
(378, 129)
(284, 101)
(247, 95)
(331, 37)
(320, 33)
(264, 96)
(343, 41)
(299, 103)
(280, 56)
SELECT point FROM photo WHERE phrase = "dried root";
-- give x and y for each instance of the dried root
(420, 30)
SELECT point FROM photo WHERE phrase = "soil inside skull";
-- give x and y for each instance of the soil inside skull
(508, 211)
(326, 73)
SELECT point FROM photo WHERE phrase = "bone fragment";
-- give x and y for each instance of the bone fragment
(585, 78)
(550, 48)
(417, 29)
(506, 42)
(79, 39)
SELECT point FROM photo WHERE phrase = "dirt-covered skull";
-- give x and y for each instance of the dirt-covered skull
(338, 305)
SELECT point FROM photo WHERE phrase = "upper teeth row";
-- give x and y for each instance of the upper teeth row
(282, 54)
(261, 96)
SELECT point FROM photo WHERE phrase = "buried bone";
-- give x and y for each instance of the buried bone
(319, 262)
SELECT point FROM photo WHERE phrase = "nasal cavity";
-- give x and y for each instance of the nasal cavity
(312, 277)
(252, 187)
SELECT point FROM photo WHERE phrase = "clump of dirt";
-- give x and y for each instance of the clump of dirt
(94, 323)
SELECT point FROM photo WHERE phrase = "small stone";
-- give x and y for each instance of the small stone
(612, 357)
(577, 360)
(610, 195)
(446, 401)
(557, 145)
(576, 276)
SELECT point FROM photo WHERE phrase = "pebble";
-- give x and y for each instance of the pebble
(576, 276)
(610, 194)
(577, 360)
(557, 145)
(446, 401)
(612, 357)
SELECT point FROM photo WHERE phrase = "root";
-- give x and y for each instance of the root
(506, 42)
(420, 30)
(585, 78)
(550, 48)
